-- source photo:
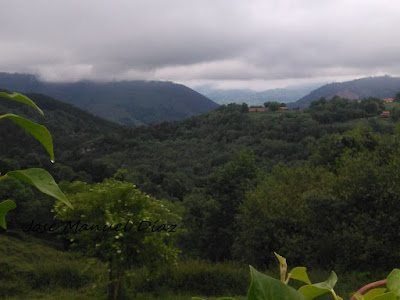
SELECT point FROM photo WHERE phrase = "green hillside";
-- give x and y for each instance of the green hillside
(380, 87)
(239, 185)
(34, 269)
(125, 102)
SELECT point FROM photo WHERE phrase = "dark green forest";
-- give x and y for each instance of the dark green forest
(319, 186)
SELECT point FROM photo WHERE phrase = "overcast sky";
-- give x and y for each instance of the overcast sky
(226, 43)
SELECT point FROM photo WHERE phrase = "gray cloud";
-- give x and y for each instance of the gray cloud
(226, 42)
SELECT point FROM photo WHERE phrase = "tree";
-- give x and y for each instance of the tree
(273, 106)
(36, 177)
(120, 225)
(218, 204)
(244, 108)
(397, 97)
(271, 216)
(395, 114)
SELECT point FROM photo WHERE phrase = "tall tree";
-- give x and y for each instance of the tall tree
(132, 243)
(218, 203)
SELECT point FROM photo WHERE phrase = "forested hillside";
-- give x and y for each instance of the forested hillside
(239, 185)
(379, 87)
(126, 102)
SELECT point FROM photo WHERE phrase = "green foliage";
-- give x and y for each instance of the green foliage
(29, 269)
(393, 282)
(23, 99)
(39, 132)
(380, 87)
(371, 294)
(312, 291)
(395, 114)
(122, 206)
(296, 209)
(210, 214)
(263, 287)
(397, 97)
(5, 207)
(299, 177)
(272, 216)
(273, 106)
(339, 109)
(38, 178)
(166, 160)
(42, 180)
(190, 277)
(268, 288)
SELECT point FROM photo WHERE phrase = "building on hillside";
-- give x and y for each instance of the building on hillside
(283, 108)
(258, 109)
(385, 114)
(387, 100)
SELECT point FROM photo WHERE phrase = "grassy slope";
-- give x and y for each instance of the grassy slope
(30, 269)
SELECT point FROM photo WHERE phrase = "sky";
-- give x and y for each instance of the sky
(222, 43)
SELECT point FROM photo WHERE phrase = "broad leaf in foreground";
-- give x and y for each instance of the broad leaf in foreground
(39, 132)
(371, 294)
(42, 180)
(268, 288)
(393, 282)
(387, 296)
(299, 273)
(5, 207)
(21, 98)
(312, 291)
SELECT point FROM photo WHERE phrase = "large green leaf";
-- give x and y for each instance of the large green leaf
(387, 296)
(42, 180)
(39, 132)
(393, 282)
(371, 294)
(300, 273)
(312, 291)
(5, 207)
(268, 288)
(21, 98)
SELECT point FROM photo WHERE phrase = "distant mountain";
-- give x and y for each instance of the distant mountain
(125, 102)
(221, 96)
(284, 95)
(252, 97)
(380, 87)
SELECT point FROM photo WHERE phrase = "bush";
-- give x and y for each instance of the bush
(193, 277)
(54, 274)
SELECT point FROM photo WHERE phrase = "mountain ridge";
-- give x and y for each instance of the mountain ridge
(379, 87)
(251, 97)
(130, 103)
